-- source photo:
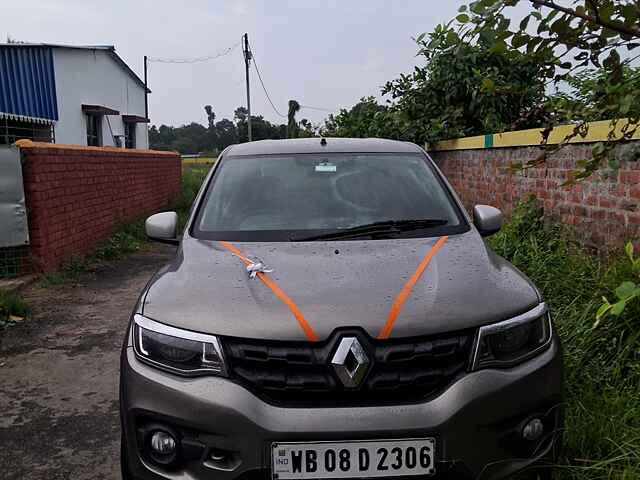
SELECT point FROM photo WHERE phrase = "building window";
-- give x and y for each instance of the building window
(14, 130)
(94, 130)
(129, 135)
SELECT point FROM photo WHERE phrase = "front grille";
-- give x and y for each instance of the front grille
(299, 374)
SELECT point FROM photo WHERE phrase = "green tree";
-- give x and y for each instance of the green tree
(196, 138)
(461, 89)
(212, 134)
(191, 138)
(211, 116)
(226, 133)
(240, 116)
(367, 118)
(466, 89)
(307, 129)
(261, 129)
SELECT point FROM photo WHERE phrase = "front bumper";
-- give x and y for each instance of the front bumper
(477, 421)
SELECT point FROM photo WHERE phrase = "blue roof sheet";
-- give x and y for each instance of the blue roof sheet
(27, 83)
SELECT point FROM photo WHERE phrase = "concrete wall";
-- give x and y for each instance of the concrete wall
(76, 196)
(93, 77)
(604, 209)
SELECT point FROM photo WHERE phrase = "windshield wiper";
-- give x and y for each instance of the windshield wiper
(375, 229)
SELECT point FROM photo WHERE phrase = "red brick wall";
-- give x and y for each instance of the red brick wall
(77, 196)
(604, 209)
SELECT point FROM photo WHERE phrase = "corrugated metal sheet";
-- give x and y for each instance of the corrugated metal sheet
(13, 214)
(27, 83)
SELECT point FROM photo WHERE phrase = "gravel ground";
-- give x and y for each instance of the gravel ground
(59, 374)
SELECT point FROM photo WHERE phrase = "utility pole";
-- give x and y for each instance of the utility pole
(247, 60)
(146, 89)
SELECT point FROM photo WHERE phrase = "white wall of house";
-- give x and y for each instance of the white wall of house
(93, 77)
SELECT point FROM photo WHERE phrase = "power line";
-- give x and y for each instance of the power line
(269, 98)
(318, 108)
(224, 52)
(263, 87)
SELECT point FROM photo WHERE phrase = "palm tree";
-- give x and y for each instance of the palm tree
(292, 127)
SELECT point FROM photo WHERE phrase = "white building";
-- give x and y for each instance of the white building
(83, 95)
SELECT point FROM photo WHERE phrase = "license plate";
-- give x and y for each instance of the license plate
(365, 459)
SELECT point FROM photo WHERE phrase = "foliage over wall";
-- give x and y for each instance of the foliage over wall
(591, 96)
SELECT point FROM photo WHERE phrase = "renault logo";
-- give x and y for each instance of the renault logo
(350, 362)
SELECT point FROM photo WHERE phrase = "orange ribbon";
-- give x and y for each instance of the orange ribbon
(306, 328)
(407, 288)
(396, 308)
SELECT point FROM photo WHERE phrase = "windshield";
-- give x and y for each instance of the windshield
(279, 198)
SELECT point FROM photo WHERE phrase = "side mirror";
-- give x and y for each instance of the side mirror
(488, 220)
(163, 228)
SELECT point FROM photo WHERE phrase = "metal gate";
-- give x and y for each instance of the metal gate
(14, 230)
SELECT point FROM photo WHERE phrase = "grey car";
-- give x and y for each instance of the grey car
(333, 312)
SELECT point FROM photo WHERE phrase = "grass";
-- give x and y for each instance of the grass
(192, 178)
(12, 308)
(127, 239)
(602, 365)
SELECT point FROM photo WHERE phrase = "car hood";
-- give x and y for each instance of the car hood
(337, 284)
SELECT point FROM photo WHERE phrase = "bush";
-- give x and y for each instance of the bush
(602, 362)
(12, 306)
(128, 238)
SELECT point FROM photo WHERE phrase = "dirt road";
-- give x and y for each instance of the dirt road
(59, 374)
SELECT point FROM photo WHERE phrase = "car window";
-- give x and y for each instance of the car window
(272, 197)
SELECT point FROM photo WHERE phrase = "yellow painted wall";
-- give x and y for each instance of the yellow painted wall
(597, 132)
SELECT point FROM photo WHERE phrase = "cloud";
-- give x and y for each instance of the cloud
(372, 64)
(326, 54)
(240, 8)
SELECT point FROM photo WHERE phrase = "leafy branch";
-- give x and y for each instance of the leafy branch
(626, 292)
(596, 18)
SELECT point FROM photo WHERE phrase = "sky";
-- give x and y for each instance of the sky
(326, 54)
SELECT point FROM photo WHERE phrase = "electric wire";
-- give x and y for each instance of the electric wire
(224, 52)
(308, 107)
(253, 57)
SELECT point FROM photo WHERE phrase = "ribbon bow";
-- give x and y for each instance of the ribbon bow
(256, 267)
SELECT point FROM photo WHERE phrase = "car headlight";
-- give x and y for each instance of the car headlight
(176, 350)
(513, 341)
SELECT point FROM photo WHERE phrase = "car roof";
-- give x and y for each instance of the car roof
(314, 145)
